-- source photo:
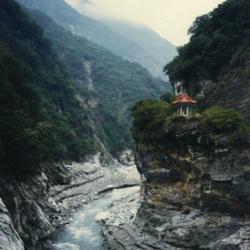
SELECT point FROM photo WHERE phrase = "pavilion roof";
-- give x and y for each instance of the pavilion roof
(184, 98)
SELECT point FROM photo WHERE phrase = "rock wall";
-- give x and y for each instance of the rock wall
(35, 208)
(232, 90)
(197, 189)
(9, 238)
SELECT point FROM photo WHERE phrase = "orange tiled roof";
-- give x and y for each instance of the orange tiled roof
(184, 98)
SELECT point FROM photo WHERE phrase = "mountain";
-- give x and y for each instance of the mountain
(106, 83)
(196, 189)
(62, 97)
(158, 48)
(41, 119)
(216, 61)
(111, 35)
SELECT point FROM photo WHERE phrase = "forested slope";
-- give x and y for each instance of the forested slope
(64, 98)
(216, 60)
(108, 84)
(41, 120)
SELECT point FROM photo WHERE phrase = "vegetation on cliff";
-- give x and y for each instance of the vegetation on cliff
(219, 44)
(223, 120)
(153, 119)
(40, 118)
(149, 120)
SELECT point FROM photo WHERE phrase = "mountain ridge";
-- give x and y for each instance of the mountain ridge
(102, 34)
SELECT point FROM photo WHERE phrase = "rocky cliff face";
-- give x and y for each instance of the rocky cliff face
(8, 236)
(196, 193)
(32, 210)
(233, 90)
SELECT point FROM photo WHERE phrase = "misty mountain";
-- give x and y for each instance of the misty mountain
(62, 97)
(106, 84)
(136, 44)
(158, 48)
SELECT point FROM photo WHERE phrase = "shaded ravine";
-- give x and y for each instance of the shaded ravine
(84, 231)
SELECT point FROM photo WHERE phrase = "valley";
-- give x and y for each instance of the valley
(113, 138)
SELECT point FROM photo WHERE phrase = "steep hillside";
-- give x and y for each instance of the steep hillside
(217, 58)
(50, 113)
(109, 85)
(41, 120)
(158, 48)
(196, 189)
(117, 42)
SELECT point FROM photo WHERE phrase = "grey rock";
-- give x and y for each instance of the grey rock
(9, 237)
(196, 193)
(43, 203)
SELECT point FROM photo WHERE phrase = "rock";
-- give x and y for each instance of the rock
(196, 193)
(239, 240)
(42, 204)
(9, 237)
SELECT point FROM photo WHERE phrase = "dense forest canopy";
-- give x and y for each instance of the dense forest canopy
(37, 99)
(219, 41)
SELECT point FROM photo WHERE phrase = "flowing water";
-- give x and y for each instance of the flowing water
(84, 232)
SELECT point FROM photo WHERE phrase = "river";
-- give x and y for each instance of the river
(83, 231)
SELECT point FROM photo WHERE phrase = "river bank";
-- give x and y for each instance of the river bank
(37, 208)
(84, 230)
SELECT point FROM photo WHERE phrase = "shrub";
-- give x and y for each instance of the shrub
(224, 120)
(167, 97)
(149, 119)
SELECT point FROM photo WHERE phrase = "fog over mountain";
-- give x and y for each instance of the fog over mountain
(117, 37)
(169, 18)
(149, 41)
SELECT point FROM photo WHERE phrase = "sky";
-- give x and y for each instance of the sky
(169, 18)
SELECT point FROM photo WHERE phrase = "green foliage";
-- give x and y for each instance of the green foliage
(117, 84)
(40, 118)
(167, 97)
(219, 40)
(45, 115)
(223, 120)
(149, 120)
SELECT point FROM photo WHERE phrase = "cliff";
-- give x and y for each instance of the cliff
(9, 238)
(197, 170)
(196, 190)
(32, 211)
(215, 63)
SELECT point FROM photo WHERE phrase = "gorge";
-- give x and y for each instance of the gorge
(72, 108)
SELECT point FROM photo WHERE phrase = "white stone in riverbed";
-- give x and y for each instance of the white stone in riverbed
(103, 216)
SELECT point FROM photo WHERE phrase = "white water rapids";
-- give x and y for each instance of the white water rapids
(84, 232)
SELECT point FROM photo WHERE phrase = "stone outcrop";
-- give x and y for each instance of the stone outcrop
(231, 91)
(9, 238)
(197, 189)
(38, 206)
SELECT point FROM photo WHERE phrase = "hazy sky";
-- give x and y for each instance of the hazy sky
(170, 18)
